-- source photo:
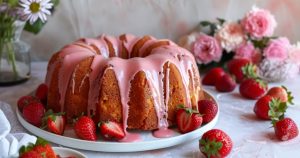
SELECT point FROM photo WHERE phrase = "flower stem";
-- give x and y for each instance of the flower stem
(11, 56)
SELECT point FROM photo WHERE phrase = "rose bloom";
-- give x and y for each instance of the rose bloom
(230, 35)
(259, 23)
(206, 49)
(277, 49)
(294, 53)
(248, 51)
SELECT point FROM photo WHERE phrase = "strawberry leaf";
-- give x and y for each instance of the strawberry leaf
(249, 70)
(277, 110)
(290, 96)
(210, 147)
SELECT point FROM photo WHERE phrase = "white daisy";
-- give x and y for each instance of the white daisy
(35, 9)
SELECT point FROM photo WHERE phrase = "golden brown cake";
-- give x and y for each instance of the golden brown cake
(138, 82)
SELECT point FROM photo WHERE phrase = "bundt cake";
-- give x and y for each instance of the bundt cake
(138, 82)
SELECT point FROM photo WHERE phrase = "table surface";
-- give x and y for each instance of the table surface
(251, 136)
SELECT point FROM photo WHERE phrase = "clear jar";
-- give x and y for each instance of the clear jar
(15, 59)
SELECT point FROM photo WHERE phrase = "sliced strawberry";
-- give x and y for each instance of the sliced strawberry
(208, 109)
(85, 128)
(44, 148)
(55, 122)
(211, 77)
(286, 129)
(34, 113)
(25, 100)
(187, 120)
(111, 130)
(225, 83)
(42, 92)
(215, 144)
(235, 68)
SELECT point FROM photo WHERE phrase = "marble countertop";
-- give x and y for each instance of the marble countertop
(251, 137)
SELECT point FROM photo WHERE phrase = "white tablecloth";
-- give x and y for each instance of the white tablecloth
(251, 137)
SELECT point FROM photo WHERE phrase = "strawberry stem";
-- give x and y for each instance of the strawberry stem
(277, 110)
(210, 148)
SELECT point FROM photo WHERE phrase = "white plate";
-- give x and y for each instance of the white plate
(148, 143)
(66, 152)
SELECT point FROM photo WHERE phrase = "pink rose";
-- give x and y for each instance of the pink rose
(259, 23)
(277, 49)
(248, 51)
(206, 49)
(230, 35)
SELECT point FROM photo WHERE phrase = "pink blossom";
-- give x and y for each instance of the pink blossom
(230, 35)
(248, 51)
(206, 49)
(277, 49)
(259, 23)
(294, 54)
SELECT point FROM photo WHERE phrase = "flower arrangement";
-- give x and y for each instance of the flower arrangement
(14, 14)
(215, 43)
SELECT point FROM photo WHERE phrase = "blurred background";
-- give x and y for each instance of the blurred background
(161, 18)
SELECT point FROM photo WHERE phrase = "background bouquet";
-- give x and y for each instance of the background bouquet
(215, 43)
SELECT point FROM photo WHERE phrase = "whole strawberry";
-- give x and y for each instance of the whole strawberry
(187, 119)
(42, 92)
(85, 128)
(225, 83)
(211, 77)
(208, 109)
(269, 108)
(235, 68)
(31, 154)
(54, 122)
(215, 144)
(286, 129)
(252, 87)
(26, 100)
(281, 93)
(33, 113)
(111, 130)
(44, 148)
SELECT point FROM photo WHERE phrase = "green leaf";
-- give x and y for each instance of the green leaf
(35, 27)
(221, 21)
(205, 23)
(277, 110)
(55, 3)
(12, 3)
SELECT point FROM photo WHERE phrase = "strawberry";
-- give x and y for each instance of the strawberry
(269, 108)
(85, 128)
(187, 119)
(281, 93)
(41, 149)
(25, 100)
(111, 130)
(225, 83)
(31, 154)
(34, 113)
(215, 144)
(208, 109)
(211, 77)
(44, 148)
(42, 92)
(252, 87)
(55, 122)
(286, 129)
(235, 68)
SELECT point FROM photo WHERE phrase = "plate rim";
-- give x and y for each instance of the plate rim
(71, 150)
(120, 146)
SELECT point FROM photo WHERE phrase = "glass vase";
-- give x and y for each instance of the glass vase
(14, 56)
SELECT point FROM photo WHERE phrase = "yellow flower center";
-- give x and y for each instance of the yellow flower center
(34, 7)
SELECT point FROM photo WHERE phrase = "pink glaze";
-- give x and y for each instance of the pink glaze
(163, 133)
(131, 137)
(125, 70)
